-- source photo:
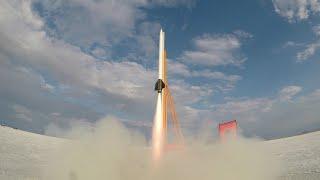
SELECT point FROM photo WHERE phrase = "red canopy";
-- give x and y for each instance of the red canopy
(229, 128)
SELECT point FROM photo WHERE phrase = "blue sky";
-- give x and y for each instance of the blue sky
(65, 62)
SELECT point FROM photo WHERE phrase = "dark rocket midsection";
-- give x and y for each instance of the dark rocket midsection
(159, 86)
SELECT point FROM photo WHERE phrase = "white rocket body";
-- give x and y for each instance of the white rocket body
(161, 55)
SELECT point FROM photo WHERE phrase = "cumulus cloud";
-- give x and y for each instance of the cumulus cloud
(287, 93)
(211, 50)
(22, 112)
(316, 30)
(283, 114)
(310, 49)
(187, 94)
(28, 50)
(57, 82)
(291, 44)
(113, 24)
(215, 50)
(69, 65)
(246, 109)
(173, 3)
(296, 10)
(223, 81)
(109, 21)
(289, 118)
(308, 52)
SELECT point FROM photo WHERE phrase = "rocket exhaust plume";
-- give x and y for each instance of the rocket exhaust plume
(158, 132)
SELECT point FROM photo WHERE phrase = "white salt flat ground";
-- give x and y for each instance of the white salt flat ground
(23, 154)
(301, 155)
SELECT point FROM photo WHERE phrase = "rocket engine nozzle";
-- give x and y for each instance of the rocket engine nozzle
(159, 86)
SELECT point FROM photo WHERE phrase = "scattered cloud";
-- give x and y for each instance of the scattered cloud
(215, 50)
(181, 69)
(243, 107)
(54, 81)
(253, 106)
(188, 94)
(109, 21)
(174, 3)
(296, 10)
(309, 48)
(292, 44)
(113, 25)
(223, 82)
(22, 112)
(287, 93)
(216, 75)
(52, 76)
(288, 118)
(243, 34)
(308, 52)
(178, 68)
(282, 115)
(316, 30)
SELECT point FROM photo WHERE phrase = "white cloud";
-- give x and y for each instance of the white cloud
(100, 53)
(285, 114)
(244, 107)
(181, 69)
(253, 106)
(22, 112)
(216, 75)
(288, 118)
(316, 30)
(173, 3)
(31, 60)
(187, 94)
(66, 63)
(112, 23)
(288, 92)
(296, 10)
(292, 44)
(311, 48)
(308, 52)
(177, 68)
(243, 34)
(109, 21)
(223, 82)
(51, 76)
(215, 50)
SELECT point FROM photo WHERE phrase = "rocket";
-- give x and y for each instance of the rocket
(165, 103)
(160, 118)
(161, 75)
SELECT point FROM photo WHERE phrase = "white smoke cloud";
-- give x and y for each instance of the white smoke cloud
(110, 151)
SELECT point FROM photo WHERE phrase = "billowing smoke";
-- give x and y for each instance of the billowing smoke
(110, 151)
